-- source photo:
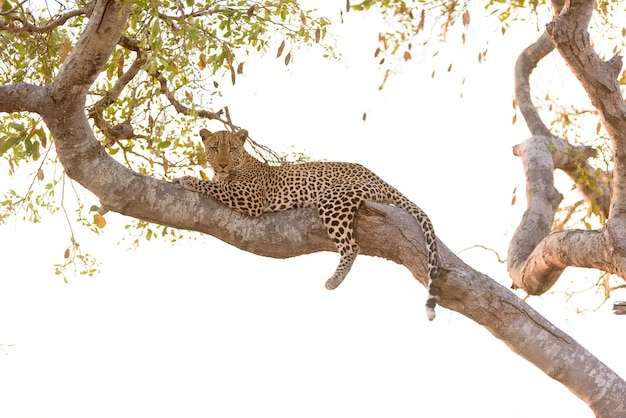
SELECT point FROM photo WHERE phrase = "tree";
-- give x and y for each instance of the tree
(59, 99)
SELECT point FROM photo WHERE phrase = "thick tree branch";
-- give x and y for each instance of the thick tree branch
(599, 79)
(575, 248)
(526, 63)
(535, 261)
(22, 97)
(530, 268)
(524, 66)
(543, 202)
(91, 52)
(576, 156)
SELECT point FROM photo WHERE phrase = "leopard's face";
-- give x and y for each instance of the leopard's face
(224, 151)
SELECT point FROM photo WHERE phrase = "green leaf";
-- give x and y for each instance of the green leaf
(36, 151)
(8, 143)
(164, 144)
(16, 126)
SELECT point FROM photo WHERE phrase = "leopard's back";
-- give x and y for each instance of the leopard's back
(300, 185)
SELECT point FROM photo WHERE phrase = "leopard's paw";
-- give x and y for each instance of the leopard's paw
(185, 181)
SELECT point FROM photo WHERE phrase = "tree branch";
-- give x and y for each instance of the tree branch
(530, 268)
(599, 79)
(180, 108)
(575, 248)
(526, 63)
(22, 97)
(26, 26)
(84, 63)
(535, 262)
(543, 202)
(576, 156)
(123, 130)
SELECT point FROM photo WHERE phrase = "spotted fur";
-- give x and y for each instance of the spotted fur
(252, 187)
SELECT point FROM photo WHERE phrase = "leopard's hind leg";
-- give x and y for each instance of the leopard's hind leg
(337, 209)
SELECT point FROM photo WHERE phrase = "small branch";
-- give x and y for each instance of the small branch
(26, 26)
(267, 154)
(483, 247)
(180, 108)
(112, 95)
(572, 160)
(125, 129)
(560, 224)
(130, 44)
(198, 13)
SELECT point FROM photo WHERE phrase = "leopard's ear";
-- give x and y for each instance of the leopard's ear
(242, 134)
(204, 133)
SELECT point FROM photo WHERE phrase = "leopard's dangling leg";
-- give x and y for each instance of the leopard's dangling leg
(348, 255)
(338, 218)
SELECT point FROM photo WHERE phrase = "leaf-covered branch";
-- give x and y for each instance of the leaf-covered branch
(123, 130)
(180, 108)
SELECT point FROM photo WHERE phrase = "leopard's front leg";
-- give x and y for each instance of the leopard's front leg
(191, 183)
(241, 196)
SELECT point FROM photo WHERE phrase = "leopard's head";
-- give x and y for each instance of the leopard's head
(224, 151)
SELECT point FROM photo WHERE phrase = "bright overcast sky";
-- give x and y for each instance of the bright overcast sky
(202, 329)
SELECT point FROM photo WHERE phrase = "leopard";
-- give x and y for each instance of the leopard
(337, 189)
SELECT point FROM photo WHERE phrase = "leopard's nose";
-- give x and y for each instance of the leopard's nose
(222, 165)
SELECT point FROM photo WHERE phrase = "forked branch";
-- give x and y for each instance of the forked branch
(600, 80)
(537, 258)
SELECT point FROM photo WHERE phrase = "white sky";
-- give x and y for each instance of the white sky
(203, 329)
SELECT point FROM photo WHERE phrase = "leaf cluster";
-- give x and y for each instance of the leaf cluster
(161, 80)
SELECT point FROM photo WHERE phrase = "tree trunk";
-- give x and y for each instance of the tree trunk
(381, 230)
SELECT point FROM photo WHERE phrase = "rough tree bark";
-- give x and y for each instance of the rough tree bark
(538, 256)
(382, 230)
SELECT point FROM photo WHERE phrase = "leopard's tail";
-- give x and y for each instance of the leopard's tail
(399, 200)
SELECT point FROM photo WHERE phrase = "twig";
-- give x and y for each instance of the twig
(500, 259)
(29, 27)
